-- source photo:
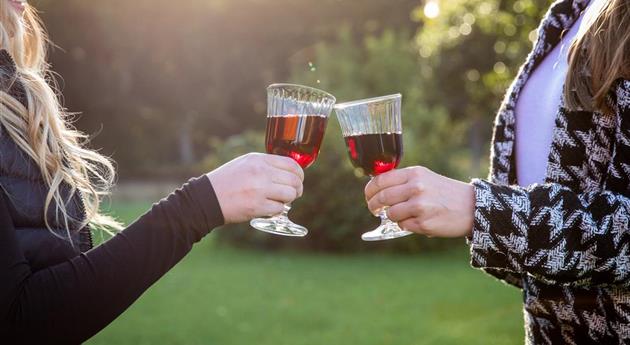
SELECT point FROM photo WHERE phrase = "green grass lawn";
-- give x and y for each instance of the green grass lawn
(224, 296)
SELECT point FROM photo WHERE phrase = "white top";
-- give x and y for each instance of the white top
(537, 107)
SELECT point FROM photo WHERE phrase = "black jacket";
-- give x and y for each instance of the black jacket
(50, 293)
(24, 186)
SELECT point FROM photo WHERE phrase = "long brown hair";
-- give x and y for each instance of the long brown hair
(599, 57)
(43, 130)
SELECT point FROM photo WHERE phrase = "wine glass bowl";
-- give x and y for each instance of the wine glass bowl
(296, 136)
(296, 122)
(375, 154)
(372, 130)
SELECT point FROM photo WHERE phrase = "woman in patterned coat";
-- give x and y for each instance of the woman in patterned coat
(553, 217)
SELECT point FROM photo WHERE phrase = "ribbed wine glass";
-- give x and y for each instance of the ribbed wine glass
(372, 129)
(296, 122)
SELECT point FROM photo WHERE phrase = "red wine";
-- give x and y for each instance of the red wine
(296, 136)
(375, 154)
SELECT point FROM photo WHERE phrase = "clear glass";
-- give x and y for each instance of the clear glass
(296, 122)
(372, 129)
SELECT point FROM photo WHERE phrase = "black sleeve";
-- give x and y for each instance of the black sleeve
(71, 302)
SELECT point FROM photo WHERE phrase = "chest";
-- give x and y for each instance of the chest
(42, 249)
(589, 152)
(26, 192)
(537, 107)
(23, 184)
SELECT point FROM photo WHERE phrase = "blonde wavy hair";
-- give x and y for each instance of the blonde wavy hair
(599, 57)
(43, 129)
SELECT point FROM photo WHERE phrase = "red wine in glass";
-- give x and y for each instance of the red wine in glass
(372, 129)
(296, 136)
(297, 116)
(375, 154)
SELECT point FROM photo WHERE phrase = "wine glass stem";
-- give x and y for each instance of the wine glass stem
(284, 216)
(383, 215)
(384, 219)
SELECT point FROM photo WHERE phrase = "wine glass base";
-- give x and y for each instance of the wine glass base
(279, 226)
(385, 232)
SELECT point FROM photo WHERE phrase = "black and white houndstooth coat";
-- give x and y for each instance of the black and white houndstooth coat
(565, 243)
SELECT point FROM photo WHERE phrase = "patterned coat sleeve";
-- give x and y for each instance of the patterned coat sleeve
(553, 233)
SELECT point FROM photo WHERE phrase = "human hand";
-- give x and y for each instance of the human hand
(423, 201)
(256, 185)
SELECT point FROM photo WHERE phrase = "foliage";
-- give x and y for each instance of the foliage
(333, 205)
(155, 78)
(469, 54)
(452, 75)
(159, 80)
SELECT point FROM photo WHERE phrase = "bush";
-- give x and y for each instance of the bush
(333, 206)
(449, 99)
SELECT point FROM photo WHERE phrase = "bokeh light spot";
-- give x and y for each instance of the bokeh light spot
(500, 67)
(499, 47)
(469, 18)
(465, 29)
(485, 8)
(533, 36)
(473, 75)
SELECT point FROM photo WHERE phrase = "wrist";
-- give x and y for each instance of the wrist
(213, 204)
(469, 215)
(205, 198)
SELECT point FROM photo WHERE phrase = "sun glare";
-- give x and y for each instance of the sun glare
(432, 9)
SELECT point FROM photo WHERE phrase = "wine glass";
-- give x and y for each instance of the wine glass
(296, 121)
(372, 129)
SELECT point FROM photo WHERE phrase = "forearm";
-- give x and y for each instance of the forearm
(550, 232)
(71, 302)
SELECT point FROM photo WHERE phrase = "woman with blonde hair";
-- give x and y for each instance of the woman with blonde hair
(553, 219)
(54, 287)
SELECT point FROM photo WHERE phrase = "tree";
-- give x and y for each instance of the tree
(155, 79)
(471, 51)
(333, 206)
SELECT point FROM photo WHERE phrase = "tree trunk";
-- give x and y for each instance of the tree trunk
(186, 145)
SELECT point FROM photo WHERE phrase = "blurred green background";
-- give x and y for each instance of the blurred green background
(173, 89)
(223, 295)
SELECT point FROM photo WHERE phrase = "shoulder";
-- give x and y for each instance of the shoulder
(9, 81)
(622, 94)
(8, 69)
(7, 64)
(560, 17)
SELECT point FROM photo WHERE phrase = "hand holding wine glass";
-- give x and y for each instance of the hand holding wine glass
(296, 121)
(256, 185)
(372, 129)
(424, 202)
